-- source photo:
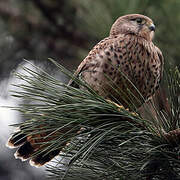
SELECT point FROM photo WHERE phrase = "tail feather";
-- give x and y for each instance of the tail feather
(29, 146)
(16, 140)
(25, 151)
(34, 146)
(43, 158)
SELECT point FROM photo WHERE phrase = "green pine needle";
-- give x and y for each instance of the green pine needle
(99, 139)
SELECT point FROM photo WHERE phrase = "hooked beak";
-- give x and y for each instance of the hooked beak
(152, 27)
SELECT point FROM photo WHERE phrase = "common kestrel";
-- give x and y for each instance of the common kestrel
(125, 67)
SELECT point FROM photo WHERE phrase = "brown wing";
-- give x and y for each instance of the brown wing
(89, 60)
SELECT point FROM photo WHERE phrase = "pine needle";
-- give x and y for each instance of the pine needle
(99, 139)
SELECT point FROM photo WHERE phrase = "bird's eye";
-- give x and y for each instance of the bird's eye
(139, 20)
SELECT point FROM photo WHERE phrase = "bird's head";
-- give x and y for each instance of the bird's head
(136, 24)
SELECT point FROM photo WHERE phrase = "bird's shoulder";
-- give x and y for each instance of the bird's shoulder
(96, 50)
(99, 49)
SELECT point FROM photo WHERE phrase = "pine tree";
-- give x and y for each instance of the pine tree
(104, 140)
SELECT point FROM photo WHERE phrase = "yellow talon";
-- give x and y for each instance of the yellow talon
(134, 114)
(120, 107)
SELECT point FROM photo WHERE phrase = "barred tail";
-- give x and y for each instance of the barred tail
(28, 149)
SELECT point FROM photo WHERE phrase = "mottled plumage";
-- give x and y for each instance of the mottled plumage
(125, 67)
(125, 59)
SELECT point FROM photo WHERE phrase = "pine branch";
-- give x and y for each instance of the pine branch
(99, 139)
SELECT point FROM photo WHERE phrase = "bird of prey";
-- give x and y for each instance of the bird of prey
(125, 67)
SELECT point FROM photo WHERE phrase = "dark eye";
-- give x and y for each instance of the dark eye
(139, 20)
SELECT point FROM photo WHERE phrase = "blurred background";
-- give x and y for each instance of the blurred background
(65, 30)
